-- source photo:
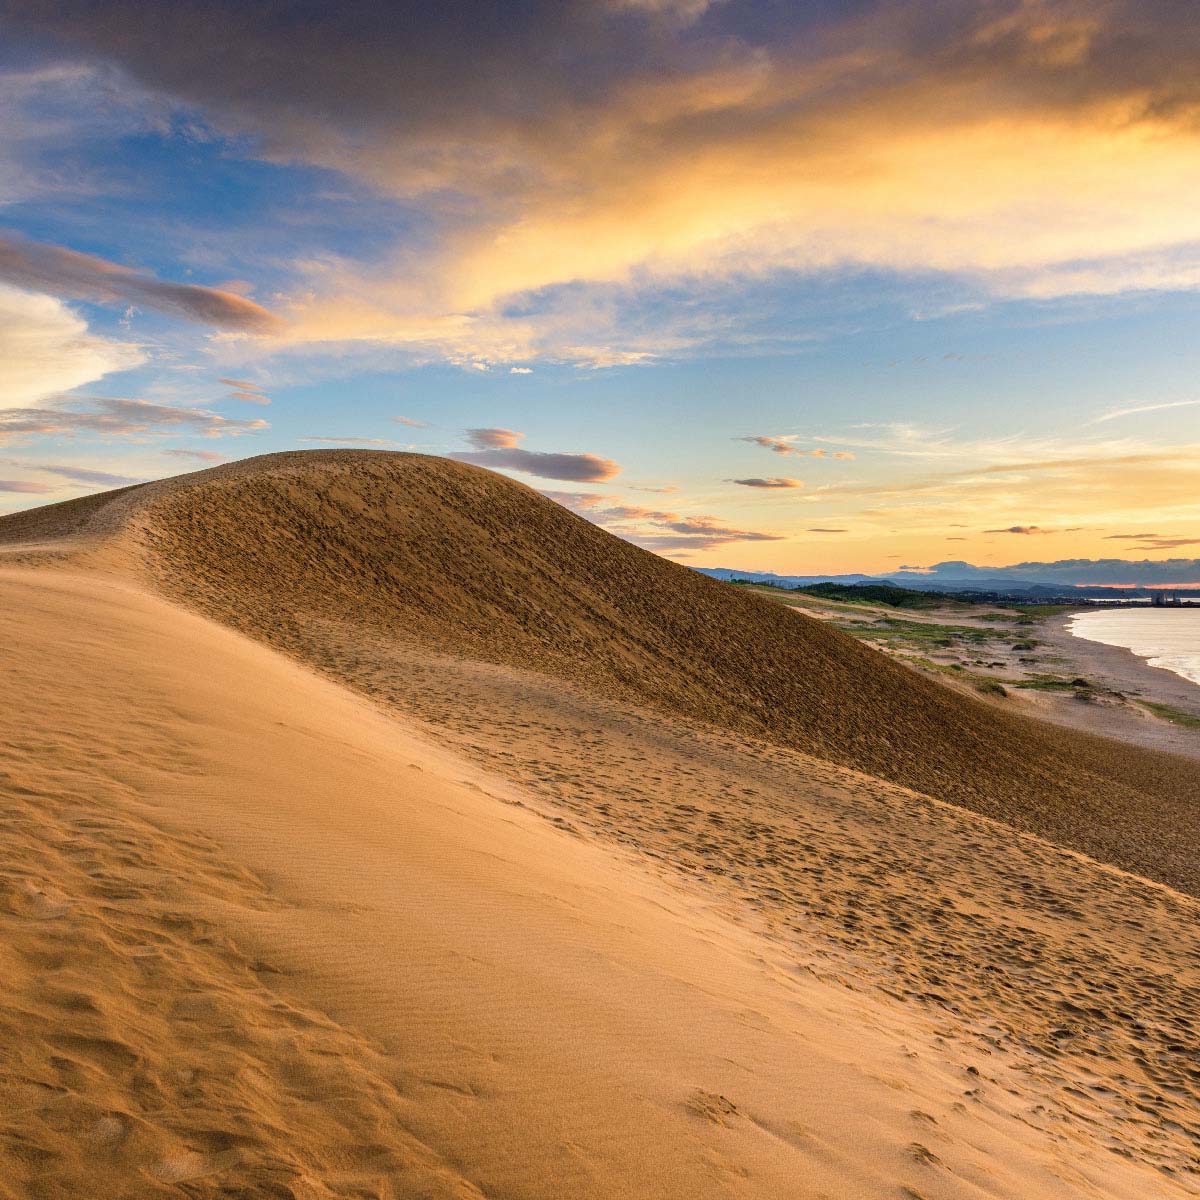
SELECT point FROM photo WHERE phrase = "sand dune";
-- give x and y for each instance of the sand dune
(548, 908)
(317, 550)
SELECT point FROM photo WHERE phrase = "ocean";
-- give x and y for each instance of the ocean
(1165, 637)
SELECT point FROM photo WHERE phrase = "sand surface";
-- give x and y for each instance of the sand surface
(260, 937)
(466, 928)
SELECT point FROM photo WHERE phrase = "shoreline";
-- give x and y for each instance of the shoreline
(1146, 660)
(1127, 677)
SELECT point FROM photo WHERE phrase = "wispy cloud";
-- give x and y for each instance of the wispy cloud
(349, 441)
(243, 389)
(26, 486)
(107, 417)
(1117, 413)
(658, 529)
(205, 456)
(71, 473)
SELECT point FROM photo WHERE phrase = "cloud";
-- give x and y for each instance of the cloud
(778, 481)
(656, 529)
(670, 141)
(81, 475)
(1144, 408)
(208, 456)
(410, 421)
(493, 439)
(1024, 529)
(780, 445)
(818, 530)
(25, 485)
(497, 449)
(118, 418)
(243, 389)
(349, 441)
(46, 349)
(786, 445)
(576, 468)
(520, 370)
(75, 276)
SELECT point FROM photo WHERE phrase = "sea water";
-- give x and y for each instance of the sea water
(1165, 637)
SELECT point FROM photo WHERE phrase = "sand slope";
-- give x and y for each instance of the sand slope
(260, 941)
(318, 550)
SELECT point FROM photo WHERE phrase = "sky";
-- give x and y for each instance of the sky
(810, 288)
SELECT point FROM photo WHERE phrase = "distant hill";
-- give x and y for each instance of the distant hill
(987, 586)
(881, 593)
(319, 552)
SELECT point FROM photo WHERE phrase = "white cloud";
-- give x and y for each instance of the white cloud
(46, 349)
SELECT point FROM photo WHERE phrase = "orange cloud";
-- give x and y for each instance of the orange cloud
(1038, 148)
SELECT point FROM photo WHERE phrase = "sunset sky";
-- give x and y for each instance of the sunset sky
(801, 287)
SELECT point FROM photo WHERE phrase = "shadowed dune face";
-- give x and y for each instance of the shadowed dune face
(305, 549)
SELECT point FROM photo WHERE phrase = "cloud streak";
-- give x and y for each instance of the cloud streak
(74, 276)
(776, 481)
(107, 417)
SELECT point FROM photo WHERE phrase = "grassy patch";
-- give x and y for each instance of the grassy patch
(1045, 610)
(1175, 715)
(897, 633)
(1048, 683)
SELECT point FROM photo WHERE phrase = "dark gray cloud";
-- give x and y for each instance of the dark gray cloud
(114, 417)
(819, 530)
(1029, 530)
(67, 273)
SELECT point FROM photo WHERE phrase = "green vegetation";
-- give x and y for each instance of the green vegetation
(884, 594)
(1045, 610)
(898, 633)
(1176, 716)
(1051, 683)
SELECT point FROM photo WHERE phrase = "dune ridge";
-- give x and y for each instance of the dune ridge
(306, 549)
